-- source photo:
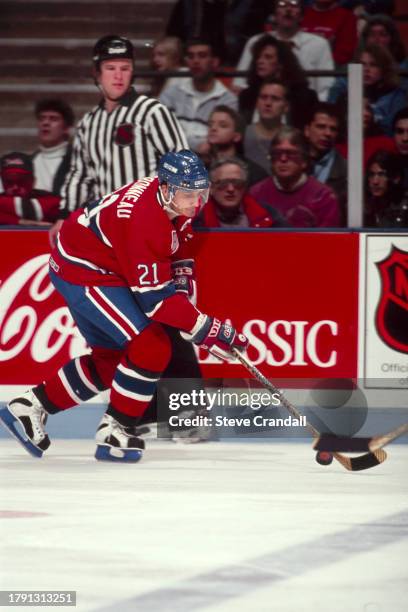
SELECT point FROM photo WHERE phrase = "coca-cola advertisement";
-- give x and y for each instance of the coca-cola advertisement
(36, 330)
(295, 295)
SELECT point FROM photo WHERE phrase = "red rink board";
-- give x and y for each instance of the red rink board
(294, 294)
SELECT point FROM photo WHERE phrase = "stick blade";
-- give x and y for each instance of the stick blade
(341, 444)
(363, 462)
(344, 444)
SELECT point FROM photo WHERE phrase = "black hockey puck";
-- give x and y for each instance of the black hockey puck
(324, 458)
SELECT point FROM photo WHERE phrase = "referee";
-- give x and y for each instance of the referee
(119, 141)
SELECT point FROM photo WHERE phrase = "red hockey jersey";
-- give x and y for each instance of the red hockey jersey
(127, 239)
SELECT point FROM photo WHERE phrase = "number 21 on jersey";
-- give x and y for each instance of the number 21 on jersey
(148, 274)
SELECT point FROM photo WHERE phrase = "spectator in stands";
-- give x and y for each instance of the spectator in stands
(193, 19)
(312, 51)
(301, 199)
(230, 204)
(52, 160)
(338, 25)
(385, 202)
(243, 19)
(272, 106)
(20, 203)
(167, 55)
(226, 23)
(328, 166)
(273, 58)
(381, 30)
(400, 129)
(193, 100)
(374, 138)
(381, 86)
(225, 133)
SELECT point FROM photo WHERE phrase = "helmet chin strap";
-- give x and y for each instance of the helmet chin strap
(168, 202)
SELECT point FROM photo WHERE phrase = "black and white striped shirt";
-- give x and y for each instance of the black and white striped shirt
(113, 149)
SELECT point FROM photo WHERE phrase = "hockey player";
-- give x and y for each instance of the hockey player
(120, 264)
(119, 141)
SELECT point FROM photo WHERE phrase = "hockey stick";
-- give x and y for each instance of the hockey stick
(353, 464)
(331, 443)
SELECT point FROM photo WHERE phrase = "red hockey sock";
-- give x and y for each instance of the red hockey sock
(79, 380)
(135, 380)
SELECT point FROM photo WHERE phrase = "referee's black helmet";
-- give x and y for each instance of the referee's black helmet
(112, 47)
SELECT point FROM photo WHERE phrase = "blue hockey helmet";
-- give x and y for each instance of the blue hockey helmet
(183, 170)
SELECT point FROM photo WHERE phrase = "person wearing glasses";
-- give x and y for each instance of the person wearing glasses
(301, 199)
(229, 204)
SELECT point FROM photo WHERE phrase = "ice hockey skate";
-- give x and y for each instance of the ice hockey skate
(115, 442)
(25, 418)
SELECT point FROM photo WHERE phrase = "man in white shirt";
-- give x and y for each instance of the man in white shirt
(193, 99)
(52, 160)
(312, 51)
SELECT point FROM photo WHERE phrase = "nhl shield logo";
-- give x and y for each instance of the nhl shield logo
(391, 318)
(124, 135)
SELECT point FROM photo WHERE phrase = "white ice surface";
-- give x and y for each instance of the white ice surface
(222, 526)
